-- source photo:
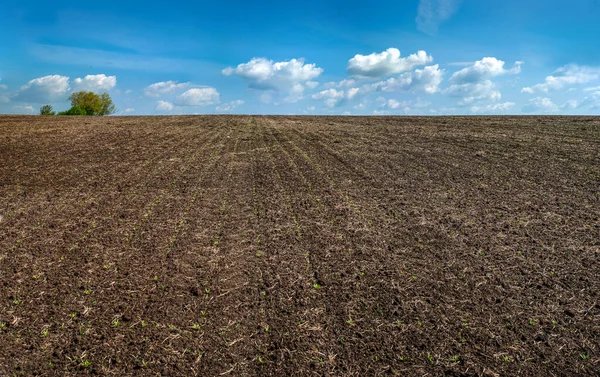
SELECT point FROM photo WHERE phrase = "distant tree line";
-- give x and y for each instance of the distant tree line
(85, 103)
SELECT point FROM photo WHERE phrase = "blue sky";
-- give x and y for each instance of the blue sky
(426, 57)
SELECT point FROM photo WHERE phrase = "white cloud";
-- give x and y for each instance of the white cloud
(161, 88)
(24, 109)
(44, 89)
(540, 104)
(469, 93)
(198, 97)
(4, 99)
(483, 69)
(3, 87)
(95, 83)
(473, 83)
(571, 104)
(229, 106)
(432, 13)
(128, 91)
(385, 63)
(591, 102)
(265, 74)
(164, 106)
(425, 80)
(296, 94)
(129, 110)
(345, 83)
(497, 107)
(332, 97)
(568, 75)
(311, 84)
(593, 89)
(405, 106)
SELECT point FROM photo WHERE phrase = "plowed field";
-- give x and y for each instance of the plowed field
(312, 246)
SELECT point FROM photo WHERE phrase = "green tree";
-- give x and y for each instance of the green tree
(92, 103)
(75, 110)
(47, 110)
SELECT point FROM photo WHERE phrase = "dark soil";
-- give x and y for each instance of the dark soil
(313, 246)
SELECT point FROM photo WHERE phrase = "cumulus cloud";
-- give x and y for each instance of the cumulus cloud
(129, 110)
(332, 97)
(161, 88)
(469, 93)
(95, 83)
(493, 108)
(4, 99)
(425, 80)
(265, 74)
(432, 13)
(568, 75)
(164, 106)
(229, 106)
(44, 89)
(473, 83)
(407, 107)
(3, 87)
(540, 104)
(198, 97)
(385, 63)
(485, 68)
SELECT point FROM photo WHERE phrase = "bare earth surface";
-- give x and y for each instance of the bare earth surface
(312, 246)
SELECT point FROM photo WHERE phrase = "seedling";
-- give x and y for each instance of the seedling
(86, 363)
(196, 326)
(115, 323)
(317, 286)
(144, 324)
